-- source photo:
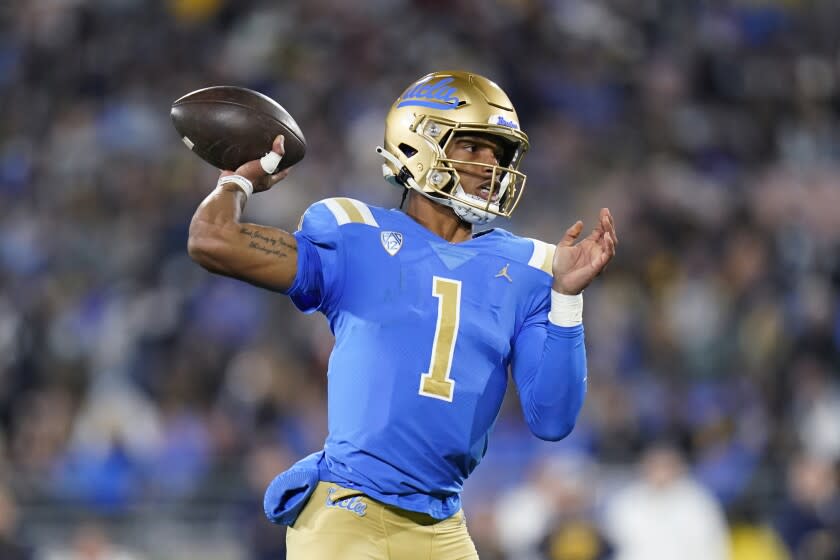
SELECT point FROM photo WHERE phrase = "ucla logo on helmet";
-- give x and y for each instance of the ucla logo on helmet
(392, 241)
(501, 121)
(436, 95)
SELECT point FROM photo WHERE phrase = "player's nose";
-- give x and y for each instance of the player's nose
(488, 157)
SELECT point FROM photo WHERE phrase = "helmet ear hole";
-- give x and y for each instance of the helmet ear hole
(407, 150)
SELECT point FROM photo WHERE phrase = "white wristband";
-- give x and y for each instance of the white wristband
(240, 181)
(566, 311)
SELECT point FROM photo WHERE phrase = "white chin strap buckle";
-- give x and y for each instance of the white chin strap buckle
(469, 213)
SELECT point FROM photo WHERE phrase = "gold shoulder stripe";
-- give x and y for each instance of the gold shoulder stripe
(549, 260)
(543, 256)
(352, 212)
(367, 215)
(348, 210)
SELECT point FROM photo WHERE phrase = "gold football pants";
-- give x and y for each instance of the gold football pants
(340, 523)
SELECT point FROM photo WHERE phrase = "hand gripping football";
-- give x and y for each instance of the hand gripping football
(227, 126)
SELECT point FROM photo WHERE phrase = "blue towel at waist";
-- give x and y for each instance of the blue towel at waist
(288, 493)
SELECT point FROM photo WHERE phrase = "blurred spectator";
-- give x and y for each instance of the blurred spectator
(11, 548)
(131, 381)
(573, 531)
(560, 525)
(264, 540)
(90, 542)
(664, 514)
(519, 535)
(752, 538)
(817, 409)
(809, 521)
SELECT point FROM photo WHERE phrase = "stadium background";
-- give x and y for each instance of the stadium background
(144, 403)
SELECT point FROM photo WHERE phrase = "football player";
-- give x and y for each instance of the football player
(428, 319)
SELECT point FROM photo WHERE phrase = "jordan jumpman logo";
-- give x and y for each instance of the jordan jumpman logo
(504, 273)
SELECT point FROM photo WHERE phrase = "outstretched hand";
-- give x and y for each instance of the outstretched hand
(575, 266)
(254, 172)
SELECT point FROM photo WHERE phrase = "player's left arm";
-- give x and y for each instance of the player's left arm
(549, 357)
(549, 369)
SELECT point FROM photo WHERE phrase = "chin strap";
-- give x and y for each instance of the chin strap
(468, 213)
(404, 178)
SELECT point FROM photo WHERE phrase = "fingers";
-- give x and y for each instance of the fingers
(260, 171)
(267, 181)
(608, 224)
(598, 231)
(271, 160)
(256, 168)
(278, 147)
(607, 251)
(277, 177)
(603, 234)
(596, 234)
(279, 144)
(571, 234)
(252, 170)
(610, 242)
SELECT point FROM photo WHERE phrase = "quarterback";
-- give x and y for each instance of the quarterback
(429, 318)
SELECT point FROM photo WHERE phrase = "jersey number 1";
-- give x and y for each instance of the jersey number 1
(436, 383)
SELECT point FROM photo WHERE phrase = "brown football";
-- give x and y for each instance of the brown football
(227, 126)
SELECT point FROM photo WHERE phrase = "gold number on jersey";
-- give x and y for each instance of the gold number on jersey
(436, 382)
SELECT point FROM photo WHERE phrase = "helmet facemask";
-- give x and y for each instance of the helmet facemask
(506, 183)
(441, 182)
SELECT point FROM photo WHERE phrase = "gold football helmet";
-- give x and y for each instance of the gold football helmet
(423, 121)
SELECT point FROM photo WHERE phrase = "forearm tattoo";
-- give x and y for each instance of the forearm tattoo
(267, 244)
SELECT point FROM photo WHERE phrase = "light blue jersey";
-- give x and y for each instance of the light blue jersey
(425, 332)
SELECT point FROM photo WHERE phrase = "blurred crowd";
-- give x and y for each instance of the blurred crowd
(145, 404)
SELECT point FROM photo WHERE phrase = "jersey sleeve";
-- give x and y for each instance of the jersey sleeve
(318, 280)
(548, 365)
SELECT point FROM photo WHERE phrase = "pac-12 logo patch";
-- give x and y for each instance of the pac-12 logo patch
(392, 241)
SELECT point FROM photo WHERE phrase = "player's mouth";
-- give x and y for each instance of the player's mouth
(484, 191)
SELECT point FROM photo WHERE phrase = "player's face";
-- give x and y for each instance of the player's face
(476, 148)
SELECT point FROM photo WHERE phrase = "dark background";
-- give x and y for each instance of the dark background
(145, 404)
